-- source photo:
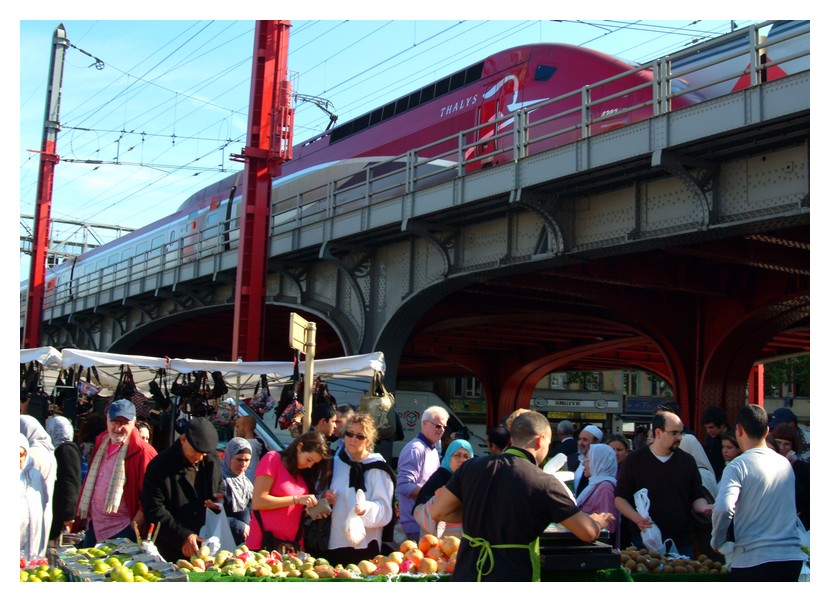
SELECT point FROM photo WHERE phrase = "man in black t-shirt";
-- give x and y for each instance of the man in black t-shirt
(673, 482)
(505, 502)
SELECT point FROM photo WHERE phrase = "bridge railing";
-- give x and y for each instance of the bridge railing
(733, 61)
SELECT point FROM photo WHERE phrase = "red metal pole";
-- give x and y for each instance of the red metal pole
(270, 132)
(32, 325)
(756, 385)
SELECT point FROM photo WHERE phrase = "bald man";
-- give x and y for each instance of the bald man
(245, 427)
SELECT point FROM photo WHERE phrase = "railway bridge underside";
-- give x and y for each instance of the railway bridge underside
(691, 263)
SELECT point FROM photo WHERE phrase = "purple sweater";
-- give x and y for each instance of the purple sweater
(416, 463)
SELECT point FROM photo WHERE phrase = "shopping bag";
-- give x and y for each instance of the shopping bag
(216, 531)
(652, 538)
(355, 529)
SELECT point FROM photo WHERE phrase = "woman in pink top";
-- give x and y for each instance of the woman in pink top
(598, 496)
(282, 485)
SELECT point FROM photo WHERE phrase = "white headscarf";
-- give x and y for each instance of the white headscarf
(691, 445)
(41, 450)
(603, 462)
(60, 430)
(35, 508)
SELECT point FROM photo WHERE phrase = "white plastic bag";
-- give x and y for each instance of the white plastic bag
(355, 529)
(216, 531)
(652, 538)
(553, 467)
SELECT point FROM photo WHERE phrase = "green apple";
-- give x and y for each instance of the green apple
(122, 573)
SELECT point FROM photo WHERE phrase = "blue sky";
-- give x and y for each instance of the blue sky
(169, 106)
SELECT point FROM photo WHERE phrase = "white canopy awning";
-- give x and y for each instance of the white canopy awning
(48, 356)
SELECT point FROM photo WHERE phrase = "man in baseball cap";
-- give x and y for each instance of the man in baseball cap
(110, 499)
(180, 483)
(787, 416)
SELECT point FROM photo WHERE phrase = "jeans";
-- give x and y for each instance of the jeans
(90, 540)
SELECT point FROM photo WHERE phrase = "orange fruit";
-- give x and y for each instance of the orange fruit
(408, 545)
(428, 566)
(415, 555)
(434, 553)
(396, 557)
(427, 541)
(388, 568)
(449, 544)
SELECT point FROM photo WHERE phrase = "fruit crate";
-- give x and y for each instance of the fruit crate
(78, 567)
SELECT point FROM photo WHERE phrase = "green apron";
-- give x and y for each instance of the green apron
(485, 553)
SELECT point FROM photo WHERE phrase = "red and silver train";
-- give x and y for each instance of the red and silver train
(541, 80)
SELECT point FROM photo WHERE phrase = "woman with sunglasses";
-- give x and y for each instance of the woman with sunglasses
(357, 466)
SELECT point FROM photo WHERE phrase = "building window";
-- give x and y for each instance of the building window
(559, 381)
(466, 386)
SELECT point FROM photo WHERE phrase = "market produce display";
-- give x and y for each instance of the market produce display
(641, 561)
(429, 556)
(110, 560)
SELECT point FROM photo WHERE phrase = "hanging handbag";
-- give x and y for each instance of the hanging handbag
(272, 543)
(379, 404)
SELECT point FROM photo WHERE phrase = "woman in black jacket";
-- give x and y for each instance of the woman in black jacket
(68, 480)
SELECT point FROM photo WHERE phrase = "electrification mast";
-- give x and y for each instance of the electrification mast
(270, 133)
(43, 207)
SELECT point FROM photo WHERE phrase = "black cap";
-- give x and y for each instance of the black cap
(782, 416)
(202, 435)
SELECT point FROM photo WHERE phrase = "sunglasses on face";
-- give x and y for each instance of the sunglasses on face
(358, 436)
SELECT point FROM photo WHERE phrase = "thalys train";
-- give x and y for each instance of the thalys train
(481, 99)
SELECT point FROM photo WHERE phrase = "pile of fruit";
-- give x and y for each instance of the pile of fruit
(429, 556)
(38, 570)
(113, 560)
(650, 561)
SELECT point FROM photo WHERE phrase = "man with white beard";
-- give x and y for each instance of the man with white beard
(110, 498)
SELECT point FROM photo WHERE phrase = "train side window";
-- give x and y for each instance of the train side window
(544, 73)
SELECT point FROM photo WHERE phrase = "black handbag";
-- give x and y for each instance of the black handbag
(274, 544)
(316, 535)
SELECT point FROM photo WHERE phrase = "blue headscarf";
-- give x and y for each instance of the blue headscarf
(452, 448)
(238, 488)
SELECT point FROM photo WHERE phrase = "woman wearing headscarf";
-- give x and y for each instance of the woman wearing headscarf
(35, 510)
(702, 523)
(41, 450)
(691, 445)
(458, 452)
(598, 496)
(68, 481)
(239, 491)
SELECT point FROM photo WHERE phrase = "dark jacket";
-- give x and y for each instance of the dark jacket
(67, 485)
(566, 447)
(169, 500)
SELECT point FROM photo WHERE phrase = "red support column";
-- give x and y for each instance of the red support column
(756, 385)
(270, 131)
(32, 325)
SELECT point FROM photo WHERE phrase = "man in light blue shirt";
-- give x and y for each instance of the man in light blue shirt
(757, 494)
(417, 461)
